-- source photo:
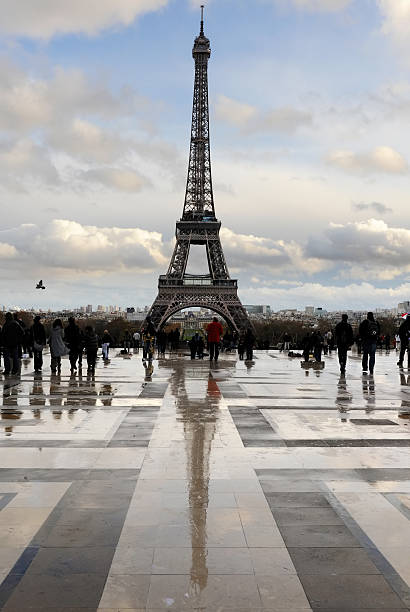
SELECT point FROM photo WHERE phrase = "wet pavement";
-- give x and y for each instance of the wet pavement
(189, 486)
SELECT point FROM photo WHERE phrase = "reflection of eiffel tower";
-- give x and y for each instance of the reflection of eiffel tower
(198, 225)
(199, 418)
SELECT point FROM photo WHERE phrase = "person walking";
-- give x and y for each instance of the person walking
(58, 348)
(73, 339)
(127, 341)
(307, 344)
(12, 338)
(287, 339)
(344, 340)
(137, 338)
(193, 345)
(162, 339)
(317, 346)
(38, 341)
(106, 341)
(241, 345)
(214, 331)
(91, 348)
(200, 347)
(369, 331)
(249, 341)
(404, 335)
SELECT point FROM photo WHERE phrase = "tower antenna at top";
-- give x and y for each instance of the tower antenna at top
(202, 20)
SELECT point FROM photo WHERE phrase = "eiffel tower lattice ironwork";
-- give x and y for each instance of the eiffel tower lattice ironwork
(198, 225)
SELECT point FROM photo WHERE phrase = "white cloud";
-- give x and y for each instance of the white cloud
(369, 247)
(44, 19)
(22, 162)
(115, 178)
(381, 160)
(357, 296)
(7, 251)
(396, 15)
(245, 252)
(251, 119)
(29, 102)
(64, 244)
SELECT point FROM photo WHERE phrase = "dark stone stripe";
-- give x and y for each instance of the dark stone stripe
(5, 499)
(86, 524)
(328, 443)
(63, 475)
(304, 535)
(16, 443)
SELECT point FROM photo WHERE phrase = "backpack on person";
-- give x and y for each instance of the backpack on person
(372, 330)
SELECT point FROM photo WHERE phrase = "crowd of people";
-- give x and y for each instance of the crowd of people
(368, 340)
(17, 339)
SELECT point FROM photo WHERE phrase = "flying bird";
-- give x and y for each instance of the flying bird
(40, 285)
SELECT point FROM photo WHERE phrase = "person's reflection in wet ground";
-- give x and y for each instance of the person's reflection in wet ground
(343, 398)
(404, 411)
(149, 370)
(37, 396)
(369, 393)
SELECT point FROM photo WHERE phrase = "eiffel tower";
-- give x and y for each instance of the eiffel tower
(198, 225)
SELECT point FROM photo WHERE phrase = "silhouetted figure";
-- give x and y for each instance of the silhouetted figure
(200, 347)
(91, 348)
(162, 339)
(38, 341)
(249, 341)
(241, 345)
(127, 341)
(287, 339)
(317, 346)
(214, 331)
(344, 340)
(12, 337)
(369, 331)
(404, 334)
(72, 336)
(307, 344)
(387, 342)
(106, 342)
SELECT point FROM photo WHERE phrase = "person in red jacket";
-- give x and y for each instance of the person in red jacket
(214, 331)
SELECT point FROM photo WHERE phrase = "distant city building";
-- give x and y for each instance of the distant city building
(89, 309)
(257, 309)
(310, 310)
(403, 307)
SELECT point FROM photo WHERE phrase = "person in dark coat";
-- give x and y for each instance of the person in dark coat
(369, 331)
(200, 347)
(241, 345)
(193, 345)
(249, 341)
(317, 346)
(91, 348)
(38, 341)
(404, 334)
(307, 344)
(12, 338)
(106, 342)
(162, 339)
(72, 336)
(344, 340)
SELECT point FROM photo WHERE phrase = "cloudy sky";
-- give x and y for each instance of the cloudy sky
(310, 108)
